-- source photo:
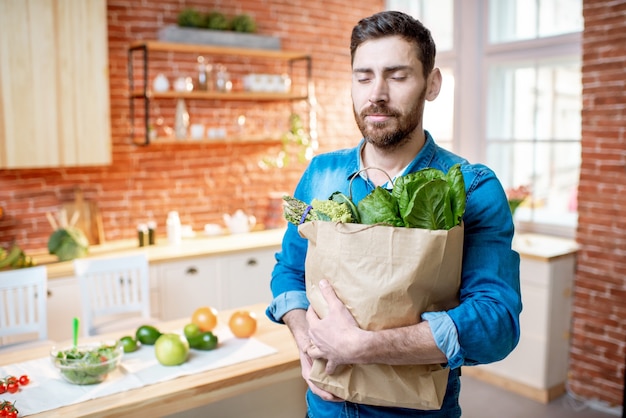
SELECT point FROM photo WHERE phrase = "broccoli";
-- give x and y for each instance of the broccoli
(297, 212)
(329, 210)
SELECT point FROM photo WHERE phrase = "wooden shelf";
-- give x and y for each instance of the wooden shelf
(143, 93)
(217, 141)
(214, 95)
(218, 50)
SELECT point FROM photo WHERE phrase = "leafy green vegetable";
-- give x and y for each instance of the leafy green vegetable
(427, 199)
(68, 243)
(380, 207)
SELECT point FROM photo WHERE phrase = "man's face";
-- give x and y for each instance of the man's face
(388, 91)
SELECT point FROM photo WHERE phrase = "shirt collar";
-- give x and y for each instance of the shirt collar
(421, 160)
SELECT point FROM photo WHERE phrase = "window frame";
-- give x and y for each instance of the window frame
(470, 59)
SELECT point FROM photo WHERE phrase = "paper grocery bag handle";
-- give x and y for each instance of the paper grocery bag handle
(365, 169)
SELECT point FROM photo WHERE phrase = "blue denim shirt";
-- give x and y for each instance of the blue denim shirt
(485, 326)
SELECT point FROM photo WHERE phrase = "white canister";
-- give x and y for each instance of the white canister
(174, 228)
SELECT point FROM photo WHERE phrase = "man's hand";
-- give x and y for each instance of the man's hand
(337, 338)
(297, 324)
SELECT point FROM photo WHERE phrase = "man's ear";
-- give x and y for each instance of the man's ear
(433, 84)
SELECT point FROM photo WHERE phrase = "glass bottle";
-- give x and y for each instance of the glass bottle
(202, 74)
(181, 122)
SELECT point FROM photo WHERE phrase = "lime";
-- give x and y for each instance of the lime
(129, 344)
(191, 330)
(147, 334)
(204, 341)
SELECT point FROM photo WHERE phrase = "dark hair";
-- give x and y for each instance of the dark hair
(392, 23)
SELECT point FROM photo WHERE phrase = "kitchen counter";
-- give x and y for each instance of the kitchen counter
(162, 252)
(195, 390)
(543, 247)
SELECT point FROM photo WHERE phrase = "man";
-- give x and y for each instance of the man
(393, 74)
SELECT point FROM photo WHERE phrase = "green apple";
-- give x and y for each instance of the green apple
(171, 349)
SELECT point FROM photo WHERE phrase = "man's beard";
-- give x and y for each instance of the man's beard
(394, 132)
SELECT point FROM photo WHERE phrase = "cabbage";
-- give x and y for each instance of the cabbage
(68, 243)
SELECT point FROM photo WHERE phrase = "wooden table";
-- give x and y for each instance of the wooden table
(193, 391)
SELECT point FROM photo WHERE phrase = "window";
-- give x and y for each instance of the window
(511, 96)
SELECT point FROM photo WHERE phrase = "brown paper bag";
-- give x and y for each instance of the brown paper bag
(387, 277)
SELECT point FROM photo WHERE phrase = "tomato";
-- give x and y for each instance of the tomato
(13, 387)
(11, 379)
(24, 380)
(242, 324)
(3, 413)
(11, 414)
(3, 387)
(205, 318)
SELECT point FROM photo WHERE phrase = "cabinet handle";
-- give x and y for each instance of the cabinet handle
(49, 292)
(252, 262)
(192, 270)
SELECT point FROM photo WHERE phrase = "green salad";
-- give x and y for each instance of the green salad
(87, 365)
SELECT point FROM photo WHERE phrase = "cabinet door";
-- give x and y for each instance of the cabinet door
(246, 276)
(54, 84)
(187, 285)
(63, 306)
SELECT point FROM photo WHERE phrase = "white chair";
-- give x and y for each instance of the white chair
(23, 308)
(115, 293)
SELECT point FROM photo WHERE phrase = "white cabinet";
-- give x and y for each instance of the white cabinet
(537, 368)
(186, 285)
(245, 277)
(222, 281)
(63, 306)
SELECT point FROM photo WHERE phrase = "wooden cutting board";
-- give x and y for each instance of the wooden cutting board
(89, 219)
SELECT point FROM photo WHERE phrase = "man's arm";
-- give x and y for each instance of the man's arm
(338, 339)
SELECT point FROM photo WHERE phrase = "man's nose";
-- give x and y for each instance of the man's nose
(380, 91)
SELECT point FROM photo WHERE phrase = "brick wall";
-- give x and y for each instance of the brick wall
(598, 345)
(201, 181)
(204, 181)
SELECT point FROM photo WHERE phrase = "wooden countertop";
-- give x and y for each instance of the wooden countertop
(543, 247)
(188, 392)
(162, 252)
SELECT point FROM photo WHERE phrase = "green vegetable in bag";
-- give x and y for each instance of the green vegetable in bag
(427, 199)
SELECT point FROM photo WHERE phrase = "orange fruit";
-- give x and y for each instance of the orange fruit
(205, 318)
(242, 324)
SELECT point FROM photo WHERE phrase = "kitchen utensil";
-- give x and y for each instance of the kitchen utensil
(75, 326)
(88, 218)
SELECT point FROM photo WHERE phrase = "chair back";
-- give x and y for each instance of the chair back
(111, 287)
(23, 302)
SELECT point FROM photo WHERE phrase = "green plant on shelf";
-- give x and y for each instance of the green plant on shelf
(296, 145)
(192, 18)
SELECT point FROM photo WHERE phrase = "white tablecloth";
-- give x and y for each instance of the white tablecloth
(47, 390)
